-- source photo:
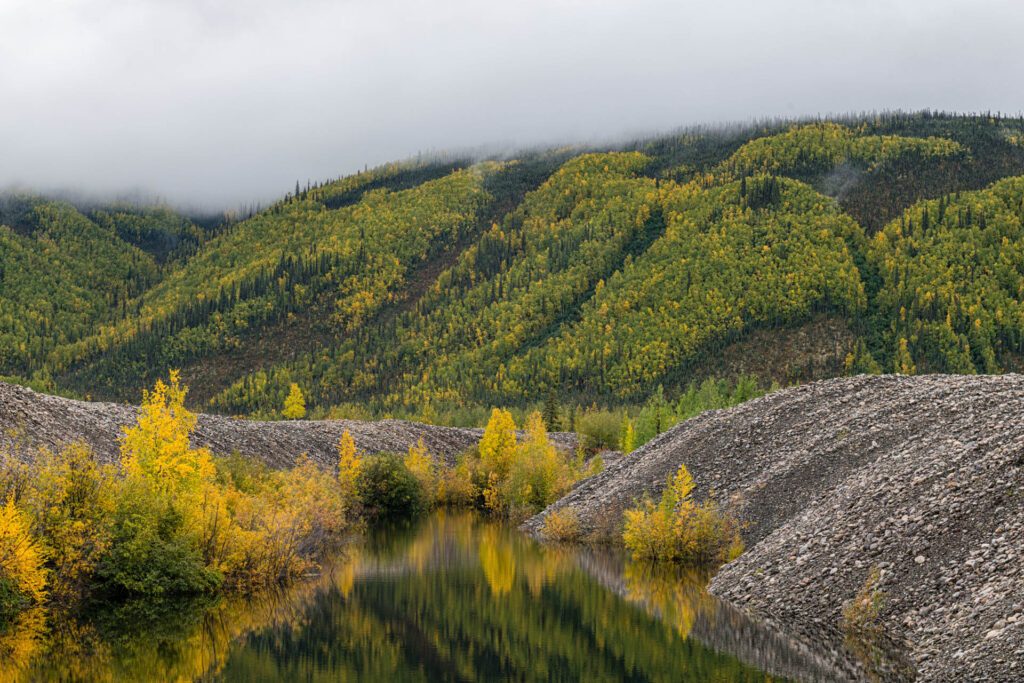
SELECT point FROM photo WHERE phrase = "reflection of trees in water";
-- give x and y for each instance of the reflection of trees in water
(144, 640)
(469, 600)
(497, 562)
(674, 594)
(23, 639)
(456, 599)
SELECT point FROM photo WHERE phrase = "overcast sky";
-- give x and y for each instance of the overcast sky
(222, 102)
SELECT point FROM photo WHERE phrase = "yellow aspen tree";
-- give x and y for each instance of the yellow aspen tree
(21, 561)
(498, 444)
(157, 452)
(350, 462)
(294, 404)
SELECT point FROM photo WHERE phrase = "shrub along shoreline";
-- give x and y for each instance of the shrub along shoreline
(171, 519)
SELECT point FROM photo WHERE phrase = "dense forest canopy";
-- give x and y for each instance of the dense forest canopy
(591, 275)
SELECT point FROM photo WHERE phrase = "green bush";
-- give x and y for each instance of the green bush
(150, 553)
(600, 429)
(388, 489)
(11, 601)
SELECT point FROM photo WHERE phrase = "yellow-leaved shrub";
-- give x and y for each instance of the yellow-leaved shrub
(562, 525)
(539, 475)
(455, 484)
(244, 527)
(311, 512)
(423, 467)
(350, 463)
(516, 479)
(678, 529)
(22, 575)
(70, 499)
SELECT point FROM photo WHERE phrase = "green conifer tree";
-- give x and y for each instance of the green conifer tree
(552, 414)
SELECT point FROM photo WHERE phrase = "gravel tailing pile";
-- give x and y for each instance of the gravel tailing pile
(919, 477)
(34, 420)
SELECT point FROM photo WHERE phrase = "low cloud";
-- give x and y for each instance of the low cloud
(215, 104)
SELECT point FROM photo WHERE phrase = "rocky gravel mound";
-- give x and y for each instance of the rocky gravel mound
(31, 420)
(919, 477)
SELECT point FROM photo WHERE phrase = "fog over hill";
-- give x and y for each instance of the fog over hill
(221, 104)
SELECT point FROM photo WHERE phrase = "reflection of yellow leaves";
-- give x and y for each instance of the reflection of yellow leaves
(455, 537)
(74, 651)
(20, 643)
(346, 580)
(77, 647)
(497, 561)
(674, 594)
(542, 566)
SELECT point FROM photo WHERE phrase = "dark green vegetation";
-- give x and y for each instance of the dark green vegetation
(419, 288)
(388, 490)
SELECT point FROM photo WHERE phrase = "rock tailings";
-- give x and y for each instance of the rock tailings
(37, 420)
(919, 477)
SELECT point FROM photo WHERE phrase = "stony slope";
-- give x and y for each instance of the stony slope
(33, 420)
(922, 477)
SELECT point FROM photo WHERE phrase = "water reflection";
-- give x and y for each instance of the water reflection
(461, 599)
(152, 640)
(453, 599)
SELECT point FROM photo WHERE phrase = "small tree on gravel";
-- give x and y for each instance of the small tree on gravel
(677, 529)
(862, 614)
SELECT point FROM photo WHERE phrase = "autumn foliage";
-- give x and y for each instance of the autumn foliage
(562, 525)
(22, 576)
(582, 275)
(169, 518)
(679, 529)
(519, 477)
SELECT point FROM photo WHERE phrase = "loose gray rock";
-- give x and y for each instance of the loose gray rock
(30, 420)
(921, 477)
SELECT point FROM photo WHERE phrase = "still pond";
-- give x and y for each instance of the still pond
(452, 598)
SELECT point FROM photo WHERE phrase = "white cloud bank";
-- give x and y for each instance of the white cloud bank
(222, 102)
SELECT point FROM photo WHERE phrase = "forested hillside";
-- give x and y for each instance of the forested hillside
(589, 275)
(63, 274)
